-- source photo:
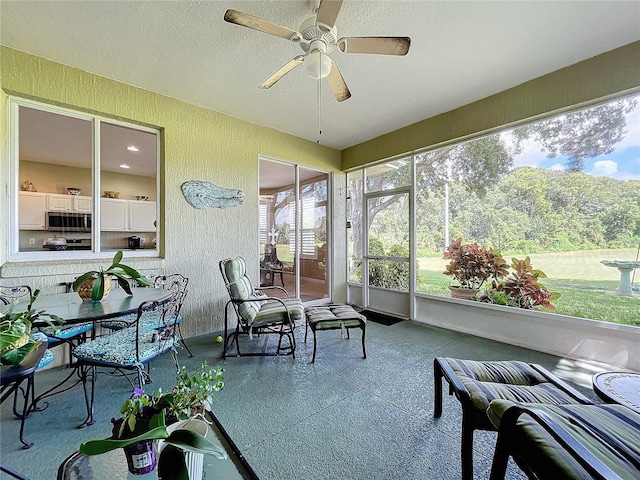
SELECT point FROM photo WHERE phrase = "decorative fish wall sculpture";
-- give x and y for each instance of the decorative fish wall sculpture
(202, 195)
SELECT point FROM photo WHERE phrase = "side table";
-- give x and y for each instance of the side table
(12, 377)
(113, 465)
(618, 387)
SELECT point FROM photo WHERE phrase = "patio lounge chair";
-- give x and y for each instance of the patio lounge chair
(576, 442)
(257, 313)
(475, 384)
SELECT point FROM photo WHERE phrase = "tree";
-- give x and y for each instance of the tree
(480, 164)
(580, 135)
(475, 164)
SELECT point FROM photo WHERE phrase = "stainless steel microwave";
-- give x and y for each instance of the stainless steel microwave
(68, 222)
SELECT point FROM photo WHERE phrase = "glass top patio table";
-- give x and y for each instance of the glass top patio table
(113, 465)
(72, 309)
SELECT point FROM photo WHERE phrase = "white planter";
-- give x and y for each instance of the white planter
(194, 461)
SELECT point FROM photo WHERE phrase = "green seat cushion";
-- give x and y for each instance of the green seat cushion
(507, 380)
(512, 372)
(272, 311)
(256, 309)
(609, 432)
(330, 317)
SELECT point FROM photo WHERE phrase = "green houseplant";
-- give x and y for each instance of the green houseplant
(193, 393)
(95, 284)
(472, 265)
(16, 341)
(521, 288)
(146, 419)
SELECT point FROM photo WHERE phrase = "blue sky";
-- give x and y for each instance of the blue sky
(622, 164)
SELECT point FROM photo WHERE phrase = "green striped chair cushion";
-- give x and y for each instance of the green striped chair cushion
(508, 380)
(611, 433)
(241, 288)
(272, 311)
(118, 349)
(258, 311)
(331, 317)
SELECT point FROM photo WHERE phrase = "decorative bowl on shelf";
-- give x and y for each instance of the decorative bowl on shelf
(73, 190)
(142, 197)
(110, 194)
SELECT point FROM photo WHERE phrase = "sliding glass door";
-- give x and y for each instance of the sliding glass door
(294, 240)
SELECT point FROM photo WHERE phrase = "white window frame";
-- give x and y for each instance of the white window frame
(13, 160)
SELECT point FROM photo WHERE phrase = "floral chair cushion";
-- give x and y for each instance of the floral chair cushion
(119, 348)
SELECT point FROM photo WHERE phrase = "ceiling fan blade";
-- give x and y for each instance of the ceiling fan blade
(377, 45)
(269, 82)
(337, 84)
(327, 14)
(255, 23)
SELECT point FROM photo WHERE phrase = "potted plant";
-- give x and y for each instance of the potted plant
(95, 285)
(16, 341)
(521, 288)
(193, 393)
(472, 265)
(144, 422)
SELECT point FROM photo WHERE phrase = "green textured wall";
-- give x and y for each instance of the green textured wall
(594, 79)
(198, 144)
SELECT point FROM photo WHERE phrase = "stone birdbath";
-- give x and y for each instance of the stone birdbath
(625, 267)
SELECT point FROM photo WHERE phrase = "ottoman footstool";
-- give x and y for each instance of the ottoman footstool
(334, 317)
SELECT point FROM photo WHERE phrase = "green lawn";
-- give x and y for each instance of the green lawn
(586, 286)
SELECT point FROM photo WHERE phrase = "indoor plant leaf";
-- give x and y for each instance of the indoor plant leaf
(172, 465)
(194, 442)
(117, 257)
(82, 278)
(123, 282)
(98, 288)
(16, 355)
(96, 447)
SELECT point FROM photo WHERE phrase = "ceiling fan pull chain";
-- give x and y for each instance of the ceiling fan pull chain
(319, 110)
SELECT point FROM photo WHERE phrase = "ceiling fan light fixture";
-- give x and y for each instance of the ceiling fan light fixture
(317, 64)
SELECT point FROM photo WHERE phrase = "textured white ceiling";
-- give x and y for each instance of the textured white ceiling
(460, 52)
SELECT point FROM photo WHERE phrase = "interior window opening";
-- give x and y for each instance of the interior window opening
(74, 199)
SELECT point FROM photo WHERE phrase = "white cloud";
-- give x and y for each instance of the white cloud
(530, 156)
(604, 168)
(556, 166)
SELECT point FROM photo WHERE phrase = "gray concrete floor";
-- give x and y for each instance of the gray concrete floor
(343, 417)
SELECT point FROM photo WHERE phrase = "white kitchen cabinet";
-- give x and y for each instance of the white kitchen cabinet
(68, 203)
(82, 204)
(32, 210)
(59, 203)
(142, 216)
(114, 215)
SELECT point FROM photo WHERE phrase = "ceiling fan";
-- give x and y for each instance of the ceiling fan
(318, 37)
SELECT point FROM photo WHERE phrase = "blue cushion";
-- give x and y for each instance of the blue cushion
(118, 349)
(46, 359)
(150, 320)
(66, 333)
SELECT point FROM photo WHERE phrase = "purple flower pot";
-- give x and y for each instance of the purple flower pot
(141, 457)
